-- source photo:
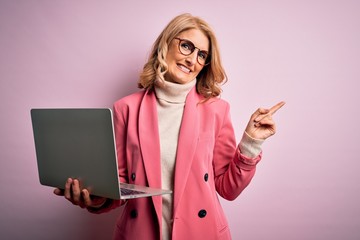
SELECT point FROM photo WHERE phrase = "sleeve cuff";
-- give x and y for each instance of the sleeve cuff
(250, 147)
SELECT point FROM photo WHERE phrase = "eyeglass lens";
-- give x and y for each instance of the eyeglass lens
(186, 47)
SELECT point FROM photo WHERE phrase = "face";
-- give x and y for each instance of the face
(181, 68)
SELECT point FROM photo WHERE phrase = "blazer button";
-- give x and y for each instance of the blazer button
(133, 176)
(133, 213)
(206, 177)
(202, 213)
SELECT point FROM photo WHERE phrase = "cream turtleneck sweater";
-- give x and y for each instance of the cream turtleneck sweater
(170, 106)
(171, 99)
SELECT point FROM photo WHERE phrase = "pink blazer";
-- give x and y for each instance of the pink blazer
(207, 163)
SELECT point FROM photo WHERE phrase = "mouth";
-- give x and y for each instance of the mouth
(183, 68)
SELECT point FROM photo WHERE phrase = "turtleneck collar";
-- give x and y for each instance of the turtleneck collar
(173, 92)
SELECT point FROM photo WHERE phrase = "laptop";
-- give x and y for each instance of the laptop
(80, 143)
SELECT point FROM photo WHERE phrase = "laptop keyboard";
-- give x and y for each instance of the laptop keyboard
(125, 191)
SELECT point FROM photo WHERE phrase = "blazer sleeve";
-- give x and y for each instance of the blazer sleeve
(233, 170)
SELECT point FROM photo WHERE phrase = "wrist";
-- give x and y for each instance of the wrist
(249, 146)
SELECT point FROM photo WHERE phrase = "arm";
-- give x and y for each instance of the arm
(232, 177)
(233, 170)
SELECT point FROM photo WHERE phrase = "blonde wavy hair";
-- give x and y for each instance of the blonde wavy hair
(210, 77)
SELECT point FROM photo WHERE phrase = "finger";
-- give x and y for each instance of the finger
(276, 107)
(86, 196)
(92, 201)
(268, 125)
(261, 117)
(259, 113)
(59, 192)
(67, 191)
(266, 122)
(76, 191)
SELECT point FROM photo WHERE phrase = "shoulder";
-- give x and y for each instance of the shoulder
(130, 99)
(212, 103)
(129, 104)
(215, 104)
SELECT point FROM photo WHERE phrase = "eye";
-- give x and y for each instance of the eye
(203, 55)
(188, 46)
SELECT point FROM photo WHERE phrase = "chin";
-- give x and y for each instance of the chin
(183, 81)
(179, 77)
(177, 80)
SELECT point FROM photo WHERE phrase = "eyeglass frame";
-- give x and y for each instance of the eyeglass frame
(199, 50)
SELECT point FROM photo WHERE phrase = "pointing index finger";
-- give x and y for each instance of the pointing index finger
(276, 107)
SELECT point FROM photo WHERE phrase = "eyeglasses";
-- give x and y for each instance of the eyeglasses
(186, 48)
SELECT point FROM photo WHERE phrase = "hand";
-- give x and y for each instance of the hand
(261, 125)
(79, 197)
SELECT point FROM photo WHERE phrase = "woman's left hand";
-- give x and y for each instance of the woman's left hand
(261, 124)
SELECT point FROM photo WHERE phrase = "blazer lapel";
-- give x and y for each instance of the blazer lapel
(150, 145)
(187, 142)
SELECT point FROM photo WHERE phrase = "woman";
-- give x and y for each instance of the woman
(177, 134)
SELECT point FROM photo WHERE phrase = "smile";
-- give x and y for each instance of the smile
(183, 68)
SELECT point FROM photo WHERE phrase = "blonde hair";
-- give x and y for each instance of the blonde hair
(210, 77)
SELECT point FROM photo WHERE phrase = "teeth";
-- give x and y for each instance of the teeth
(185, 69)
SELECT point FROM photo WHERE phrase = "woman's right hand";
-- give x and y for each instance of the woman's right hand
(76, 196)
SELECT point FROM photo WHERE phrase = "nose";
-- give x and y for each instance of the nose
(192, 58)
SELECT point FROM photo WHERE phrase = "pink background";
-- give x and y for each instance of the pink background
(89, 54)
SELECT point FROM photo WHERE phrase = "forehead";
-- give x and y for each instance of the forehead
(197, 37)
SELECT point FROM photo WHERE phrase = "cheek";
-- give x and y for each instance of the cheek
(172, 56)
(171, 62)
